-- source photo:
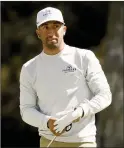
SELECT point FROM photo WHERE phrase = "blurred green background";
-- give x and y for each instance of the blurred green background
(97, 26)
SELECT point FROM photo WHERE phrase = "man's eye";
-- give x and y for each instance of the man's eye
(56, 26)
(45, 27)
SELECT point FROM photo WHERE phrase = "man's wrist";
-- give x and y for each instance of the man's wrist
(82, 111)
(47, 121)
(78, 119)
(48, 124)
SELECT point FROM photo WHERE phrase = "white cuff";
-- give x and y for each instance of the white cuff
(44, 124)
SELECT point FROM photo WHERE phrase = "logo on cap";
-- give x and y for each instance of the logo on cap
(47, 12)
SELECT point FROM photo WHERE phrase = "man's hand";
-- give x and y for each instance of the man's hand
(51, 127)
(60, 124)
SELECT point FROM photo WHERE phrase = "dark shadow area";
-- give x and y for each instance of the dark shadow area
(13, 136)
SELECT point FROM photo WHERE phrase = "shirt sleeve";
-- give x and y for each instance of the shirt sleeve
(98, 84)
(28, 100)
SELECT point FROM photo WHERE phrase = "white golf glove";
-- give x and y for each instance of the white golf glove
(67, 119)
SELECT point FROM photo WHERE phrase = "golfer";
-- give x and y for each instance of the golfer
(62, 88)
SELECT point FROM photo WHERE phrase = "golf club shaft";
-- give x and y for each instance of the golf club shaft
(51, 141)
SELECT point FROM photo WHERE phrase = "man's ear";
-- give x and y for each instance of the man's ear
(65, 29)
(37, 32)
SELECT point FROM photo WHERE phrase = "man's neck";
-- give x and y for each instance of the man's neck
(54, 51)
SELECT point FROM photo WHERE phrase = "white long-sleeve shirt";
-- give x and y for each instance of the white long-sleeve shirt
(50, 84)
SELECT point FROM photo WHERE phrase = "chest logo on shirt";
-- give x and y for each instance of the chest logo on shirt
(69, 68)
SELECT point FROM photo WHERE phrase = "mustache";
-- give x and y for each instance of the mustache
(51, 38)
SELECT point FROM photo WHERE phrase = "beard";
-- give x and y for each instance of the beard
(52, 44)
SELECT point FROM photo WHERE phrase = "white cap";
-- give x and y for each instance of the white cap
(49, 14)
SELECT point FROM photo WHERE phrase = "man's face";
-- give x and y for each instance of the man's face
(51, 33)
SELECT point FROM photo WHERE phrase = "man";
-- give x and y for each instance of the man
(62, 88)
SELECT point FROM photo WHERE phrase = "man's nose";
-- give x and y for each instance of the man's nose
(50, 31)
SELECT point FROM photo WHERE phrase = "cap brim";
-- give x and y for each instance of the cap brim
(41, 23)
